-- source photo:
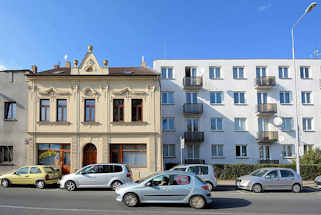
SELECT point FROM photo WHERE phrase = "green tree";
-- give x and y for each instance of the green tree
(311, 157)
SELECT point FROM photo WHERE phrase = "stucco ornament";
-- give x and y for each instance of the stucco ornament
(52, 92)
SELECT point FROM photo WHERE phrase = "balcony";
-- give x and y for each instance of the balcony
(269, 161)
(192, 109)
(265, 82)
(267, 137)
(193, 83)
(194, 136)
(194, 161)
(266, 109)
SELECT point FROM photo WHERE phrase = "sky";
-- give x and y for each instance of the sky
(122, 31)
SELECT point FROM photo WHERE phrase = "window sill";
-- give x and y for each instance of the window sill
(91, 123)
(240, 104)
(306, 78)
(308, 130)
(308, 104)
(218, 157)
(216, 79)
(241, 158)
(289, 157)
(10, 120)
(239, 78)
(285, 78)
(53, 123)
(286, 103)
(130, 123)
(240, 130)
(290, 130)
(168, 104)
(167, 78)
(169, 131)
(216, 130)
(169, 156)
(219, 104)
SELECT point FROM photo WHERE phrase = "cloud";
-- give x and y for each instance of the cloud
(264, 7)
(2, 67)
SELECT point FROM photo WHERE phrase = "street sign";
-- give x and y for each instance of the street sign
(182, 142)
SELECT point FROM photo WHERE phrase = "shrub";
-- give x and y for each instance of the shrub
(311, 157)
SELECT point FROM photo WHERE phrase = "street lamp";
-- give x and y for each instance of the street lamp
(307, 10)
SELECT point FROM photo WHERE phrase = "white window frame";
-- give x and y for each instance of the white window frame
(307, 124)
(238, 93)
(215, 93)
(290, 97)
(166, 68)
(307, 148)
(242, 154)
(168, 155)
(286, 153)
(192, 96)
(216, 148)
(168, 124)
(167, 92)
(194, 154)
(239, 119)
(215, 119)
(304, 97)
(304, 73)
(289, 124)
(238, 77)
(217, 75)
(282, 72)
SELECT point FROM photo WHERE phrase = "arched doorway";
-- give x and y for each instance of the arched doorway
(90, 154)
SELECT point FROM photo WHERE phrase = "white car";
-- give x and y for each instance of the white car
(97, 176)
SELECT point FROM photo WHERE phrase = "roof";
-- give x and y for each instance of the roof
(113, 71)
(16, 70)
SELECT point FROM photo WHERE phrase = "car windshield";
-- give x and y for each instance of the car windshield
(259, 172)
(49, 170)
(145, 178)
(180, 169)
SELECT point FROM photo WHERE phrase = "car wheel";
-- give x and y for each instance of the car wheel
(40, 184)
(210, 186)
(5, 183)
(130, 199)
(70, 186)
(257, 188)
(115, 184)
(296, 188)
(197, 202)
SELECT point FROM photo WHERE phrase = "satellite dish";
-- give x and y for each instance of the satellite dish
(277, 121)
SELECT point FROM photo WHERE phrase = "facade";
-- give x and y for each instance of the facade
(13, 108)
(230, 110)
(95, 114)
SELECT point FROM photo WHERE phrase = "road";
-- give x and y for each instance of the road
(52, 201)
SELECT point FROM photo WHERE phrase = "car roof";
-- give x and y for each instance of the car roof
(188, 165)
(276, 168)
(177, 172)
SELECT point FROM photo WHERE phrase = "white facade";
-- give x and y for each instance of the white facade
(238, 107)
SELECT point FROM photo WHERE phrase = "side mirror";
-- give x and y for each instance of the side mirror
(149, 184)
(268, 177)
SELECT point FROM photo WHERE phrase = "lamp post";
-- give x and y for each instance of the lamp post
(307, 10)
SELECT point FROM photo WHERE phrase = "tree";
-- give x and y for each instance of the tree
(311, 157)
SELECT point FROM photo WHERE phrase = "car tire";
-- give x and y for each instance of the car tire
(40, 184)
(5, 183)
(296, 188)
(197, 202)
(115, 184)
(257, 188)
(130, 199)
(70, 186)
(210, 186)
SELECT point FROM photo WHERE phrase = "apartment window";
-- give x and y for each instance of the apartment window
(306, 97)
(217, 124)
(241, 151)
(217, 150)
(239, 97)
(286, 124)
(118, 110)
(44, 109)
(191, 98)
(192, 125)
(285, 97)
(307, 148)
(240, 124)
(167, 72)
(169, 150)
(168, 123)
(216, 97)
(6, 154)
(283, 72)
(260, 71)
(288, 150)
(10, 110)
(134, 155)
(137, 110)
(305, 72)
(89, 110)
(167, 98)
(215, 72)
(61, 110)
(307, 124)
(193, 151)
(238, 72)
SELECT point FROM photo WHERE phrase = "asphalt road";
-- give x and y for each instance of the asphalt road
(52, 201)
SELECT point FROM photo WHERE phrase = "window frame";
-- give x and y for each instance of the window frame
(168, 155)
(215, 120)
(290, 128)
(238, 93)
(284, 97)
(168, 123)
(46, 109)
(214, 97)
(237, 70)
(139, 110)
(92, 110)
(282, 72)
(214, 73)
(239, 119)
(303, 72)
(117, 110)
(63, 110)
(121, 149)
(166, 68)
(242, 154)
(217, 146)
(167, 98)
(286, 153)
(10, 111)
(307, 127)
(10, 154)
(305, 96)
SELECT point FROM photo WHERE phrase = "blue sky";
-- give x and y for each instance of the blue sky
(42, 32)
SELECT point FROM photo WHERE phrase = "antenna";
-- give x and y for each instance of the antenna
(316, 53)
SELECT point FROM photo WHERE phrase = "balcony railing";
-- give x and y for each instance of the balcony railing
(193, 82)
(265, 82)
(194, 136)
(269, 161)
(267, 136)
(267, 108)
(193, 108)
(194, 161)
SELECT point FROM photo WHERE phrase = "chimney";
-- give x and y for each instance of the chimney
(56, 66)
(143, 62)
(68, 64)
(34, 69)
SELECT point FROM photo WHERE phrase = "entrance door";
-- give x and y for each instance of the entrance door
(90, 154)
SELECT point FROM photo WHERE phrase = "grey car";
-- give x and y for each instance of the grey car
(205, 172)
(270, 179)
(317, 181)
(166, 187)
(97, 176)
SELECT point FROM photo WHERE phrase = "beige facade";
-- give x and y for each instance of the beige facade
(85, 126)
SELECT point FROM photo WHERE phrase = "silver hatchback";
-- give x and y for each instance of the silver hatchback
(97, 176)
(166, 187)
(270, 179)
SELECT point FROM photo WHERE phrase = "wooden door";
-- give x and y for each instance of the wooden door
(90, 154)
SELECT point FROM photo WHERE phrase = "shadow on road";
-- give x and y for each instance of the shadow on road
(225, 188)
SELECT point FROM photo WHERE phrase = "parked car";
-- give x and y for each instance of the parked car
(205, 172)
(97, 176)
(317, 181)
(270, 179)
(31, 175)
(166, 187)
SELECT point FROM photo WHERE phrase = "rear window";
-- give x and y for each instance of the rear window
(180, 169)
(111, 169)
(35, 170)
(49, 170)
(286, 173)
(181, 180)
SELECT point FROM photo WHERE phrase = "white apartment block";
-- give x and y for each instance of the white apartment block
(229, 110)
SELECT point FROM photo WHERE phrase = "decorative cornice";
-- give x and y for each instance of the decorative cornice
(53, 92)
(129, 123)
(91, 123)
(53, 123)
